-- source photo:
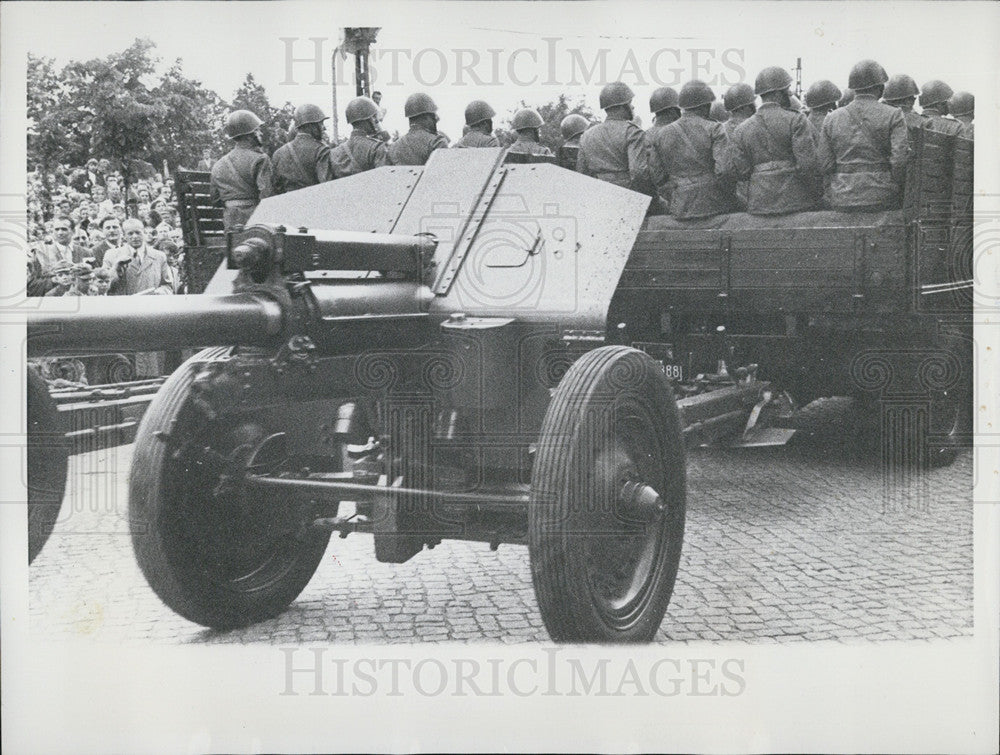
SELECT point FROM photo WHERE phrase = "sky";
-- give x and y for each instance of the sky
(509, 52)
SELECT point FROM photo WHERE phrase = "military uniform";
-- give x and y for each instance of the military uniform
(968, 128)
(568, 153)
(776, 149)
(359, 153)
(690, 156)
(524, 146)
(933, 120)
(304, 161)
(476, 139)
(415, 146)
(742, 186)
(614, 151)
(864, 146)
(239, 181)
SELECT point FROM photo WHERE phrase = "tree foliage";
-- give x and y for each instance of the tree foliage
(552, 114)
(120, 108)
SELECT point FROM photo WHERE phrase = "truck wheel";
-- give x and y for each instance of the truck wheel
(48, 460)
(212, 551)
(606, 514)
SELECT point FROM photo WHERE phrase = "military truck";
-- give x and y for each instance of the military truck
(512, 353)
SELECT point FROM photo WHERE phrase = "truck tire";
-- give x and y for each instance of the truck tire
(603, 566)
(212, 552)
(48, 460)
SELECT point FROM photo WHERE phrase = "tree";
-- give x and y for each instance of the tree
(277, 121)
(194, 122)
(552, 115)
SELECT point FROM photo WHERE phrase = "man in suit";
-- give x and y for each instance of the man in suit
(141, 269)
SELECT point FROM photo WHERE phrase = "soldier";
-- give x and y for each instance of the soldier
(416, 145)
(901, 91)
(741, 102)
(526, 123)
(962, 107)
(305, 160)
(613, 151)
(689, 156)
(864, 146)
(364, 149)
(821, 99)
(571, 128)
(934, 104)
(776, 150)
(663, 105)
(243, 176)
(478, 130)
(718, 113)
(847, 99)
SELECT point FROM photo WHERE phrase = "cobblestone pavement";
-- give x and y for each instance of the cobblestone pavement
(782, 544)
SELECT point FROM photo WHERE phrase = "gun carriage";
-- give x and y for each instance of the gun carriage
(500, 352)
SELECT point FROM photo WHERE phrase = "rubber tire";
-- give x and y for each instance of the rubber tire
(47, 462)
(161, 542)
(560, 479)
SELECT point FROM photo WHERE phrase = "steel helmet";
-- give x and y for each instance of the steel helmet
(847, 98)
(360, 109)
(418, 104)
(935, 92)
(615, 93)
(306, 114)
(242, 122)
(695, 93)
(573, 124)
(961, 103)
(478, 111)
(822, 93)
(663, 98)
(899, 87)
(526, 118)
(738, 95)
(772, 79)
(866, 74)
(718, 112)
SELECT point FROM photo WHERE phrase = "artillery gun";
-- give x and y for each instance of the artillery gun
(460, 351)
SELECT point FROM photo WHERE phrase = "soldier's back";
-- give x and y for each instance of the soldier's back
(476, 139)
(415, 147)
(302, 162)
(359, 153)
(528, 147)
(689, 155)
(604, 150)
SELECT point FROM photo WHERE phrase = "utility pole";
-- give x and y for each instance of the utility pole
(798, 78)
(358, 41)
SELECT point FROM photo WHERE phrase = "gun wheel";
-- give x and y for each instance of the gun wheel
(48, 461)
(606, 516)
(212, 551)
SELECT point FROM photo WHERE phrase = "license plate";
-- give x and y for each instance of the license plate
(664, 354)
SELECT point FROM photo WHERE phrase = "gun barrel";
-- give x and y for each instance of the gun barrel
(155, 323)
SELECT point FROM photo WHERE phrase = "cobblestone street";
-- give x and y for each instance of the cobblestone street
(782, 544)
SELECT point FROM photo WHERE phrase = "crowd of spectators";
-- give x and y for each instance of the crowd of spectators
(87, 238)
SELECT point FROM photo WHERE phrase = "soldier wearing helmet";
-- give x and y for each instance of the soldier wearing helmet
(243, 176)
(571, 127)
(901, 91)
(776, 150)
(718, 113)
(689, 157)
(526, 123)
(614, 151)
(934, 105)
(864, 147)
(962, 107)
(663, 105)
(415, 146)
(741, 103)
(364, 149)
(479, 126)
(305, 160)
(821, 99)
